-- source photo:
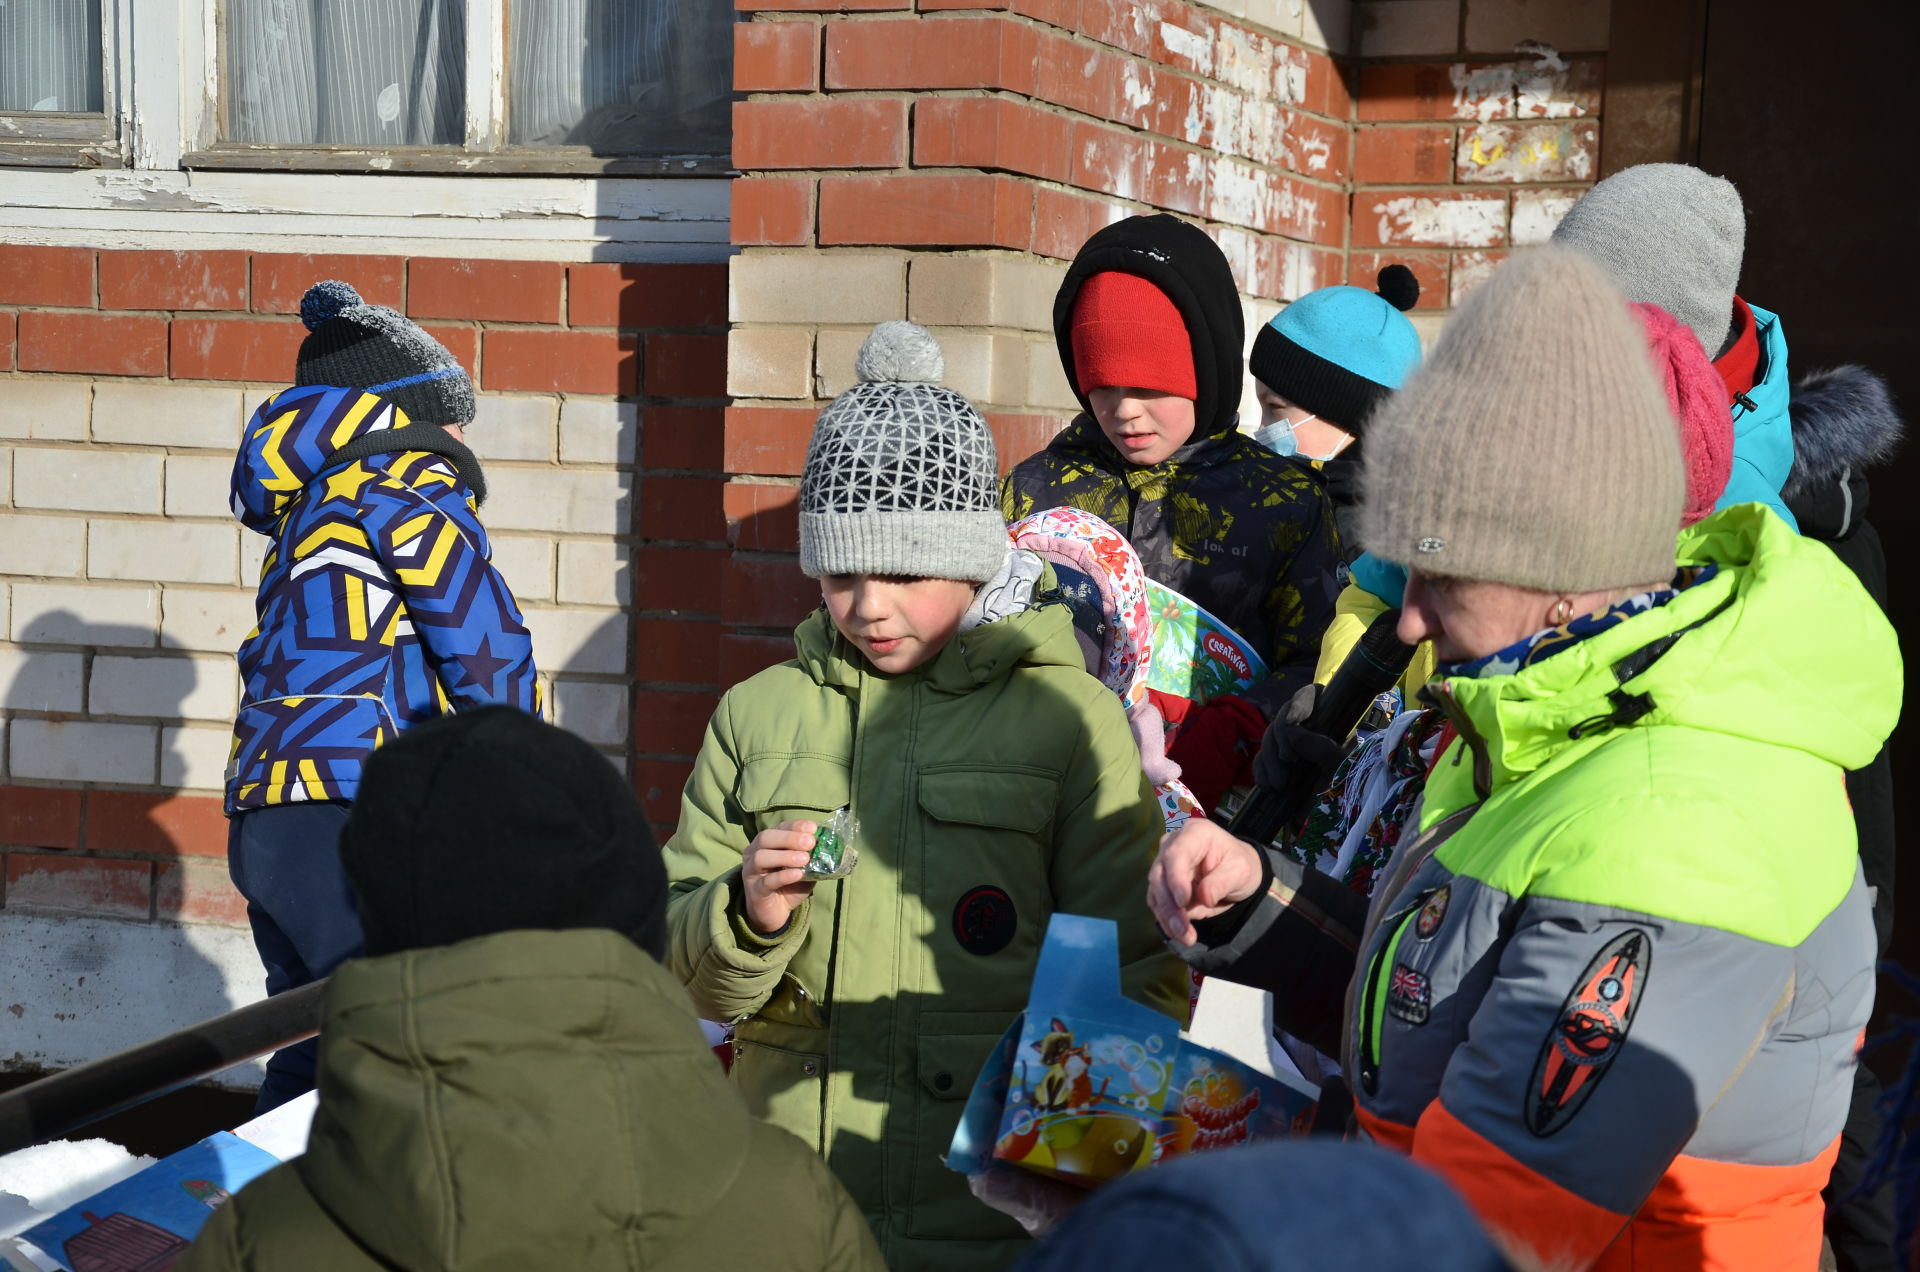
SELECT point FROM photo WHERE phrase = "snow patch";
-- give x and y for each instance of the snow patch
(47, 1178)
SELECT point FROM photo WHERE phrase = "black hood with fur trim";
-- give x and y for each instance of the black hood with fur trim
(1844, 422)
(1177, 257)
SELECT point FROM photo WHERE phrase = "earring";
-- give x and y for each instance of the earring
(1562, 611)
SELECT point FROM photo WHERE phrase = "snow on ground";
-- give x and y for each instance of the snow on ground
(43, 1180)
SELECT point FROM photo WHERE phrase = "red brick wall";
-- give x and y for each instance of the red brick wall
(1025, 124)
(651, 337)
(1457, 162)
(877, 135)
(518, 326)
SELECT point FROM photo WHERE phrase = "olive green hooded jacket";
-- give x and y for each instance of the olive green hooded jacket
(995, 785)
(530, 1100)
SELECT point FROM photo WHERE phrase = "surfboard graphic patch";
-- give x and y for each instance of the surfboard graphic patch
(1588, 1032)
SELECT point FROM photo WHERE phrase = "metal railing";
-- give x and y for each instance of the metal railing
(58, 1103)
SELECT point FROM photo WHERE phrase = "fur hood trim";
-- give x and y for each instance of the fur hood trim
(1843, 418)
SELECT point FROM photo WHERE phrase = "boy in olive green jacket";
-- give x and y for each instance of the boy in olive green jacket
(941, 697)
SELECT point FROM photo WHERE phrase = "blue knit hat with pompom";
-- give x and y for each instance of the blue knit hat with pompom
(355, 345)
(1340, 351)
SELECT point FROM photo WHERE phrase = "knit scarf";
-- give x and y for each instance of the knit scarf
(1543, 645)
(430, 438)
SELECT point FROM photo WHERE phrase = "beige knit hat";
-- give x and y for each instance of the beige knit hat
(1534, 447)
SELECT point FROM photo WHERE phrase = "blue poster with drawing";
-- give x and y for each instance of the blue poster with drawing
(148, 1221)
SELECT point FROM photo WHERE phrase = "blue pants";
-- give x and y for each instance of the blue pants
(285, 860)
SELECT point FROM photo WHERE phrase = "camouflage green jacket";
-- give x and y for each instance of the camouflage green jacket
(1225, 521)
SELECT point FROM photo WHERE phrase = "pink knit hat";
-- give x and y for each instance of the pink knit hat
(1699, 401)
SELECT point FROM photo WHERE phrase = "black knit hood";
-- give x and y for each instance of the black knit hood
(1177, 257)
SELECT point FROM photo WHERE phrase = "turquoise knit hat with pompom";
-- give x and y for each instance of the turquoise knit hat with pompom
(1340, 351)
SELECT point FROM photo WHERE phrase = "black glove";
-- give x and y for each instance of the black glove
(1291, 753)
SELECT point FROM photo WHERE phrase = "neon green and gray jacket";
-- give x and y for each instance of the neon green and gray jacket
(1614, 988)
(994, 785)
(530, 1100)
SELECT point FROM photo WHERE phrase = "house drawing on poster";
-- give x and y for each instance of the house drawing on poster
(122, 1243)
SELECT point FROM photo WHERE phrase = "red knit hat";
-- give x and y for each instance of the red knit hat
(1698, 397)
(1128, 334)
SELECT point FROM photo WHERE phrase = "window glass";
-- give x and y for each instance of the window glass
(346, 72)
(50, 56)
(621, 77)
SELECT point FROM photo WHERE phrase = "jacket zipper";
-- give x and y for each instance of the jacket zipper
(1371, 1015)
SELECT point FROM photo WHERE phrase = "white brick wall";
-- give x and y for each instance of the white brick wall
(83, 751)
(581, 501)
(47, 410)
(510, 428)
(41, 680)
(595, 709)
(43, 546)
(195, 758)
(579, 640)
(198, 485)
(592, 570)
(85, 479)
(76, 614)
(167, 415)
(596, 431)
(163, 687)
(206, 618)
(526, 564)
(170, 551)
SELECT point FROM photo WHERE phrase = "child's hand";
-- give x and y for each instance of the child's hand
(773, 874)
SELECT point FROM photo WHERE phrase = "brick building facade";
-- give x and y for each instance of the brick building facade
(651, 346)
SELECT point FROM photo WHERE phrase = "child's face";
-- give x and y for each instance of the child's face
(898, 623)
(1144, 425)
(1315, 437)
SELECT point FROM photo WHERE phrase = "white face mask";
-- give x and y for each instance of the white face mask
(1279, 437)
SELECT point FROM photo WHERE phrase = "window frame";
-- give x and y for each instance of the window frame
(484, 151)
(71, 139)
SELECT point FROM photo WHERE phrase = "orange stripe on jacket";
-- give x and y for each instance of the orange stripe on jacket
(1391, 1134)
(1511, 1198)
(1722, 1217)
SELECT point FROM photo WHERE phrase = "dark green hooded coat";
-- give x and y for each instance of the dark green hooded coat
(531, 1100)
(1225, 521)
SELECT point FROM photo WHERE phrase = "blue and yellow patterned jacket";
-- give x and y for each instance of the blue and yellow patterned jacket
(379, 606)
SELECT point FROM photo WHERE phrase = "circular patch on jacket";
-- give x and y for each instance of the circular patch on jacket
(984, 921)
(1433, 913)
(1588, 1034)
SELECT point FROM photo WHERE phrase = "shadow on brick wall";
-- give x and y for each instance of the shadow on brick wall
(116, 896)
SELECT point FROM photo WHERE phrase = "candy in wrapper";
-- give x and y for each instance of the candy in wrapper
(834, 855)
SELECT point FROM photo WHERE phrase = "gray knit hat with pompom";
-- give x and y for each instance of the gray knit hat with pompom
(902, 476)
(355, 345)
